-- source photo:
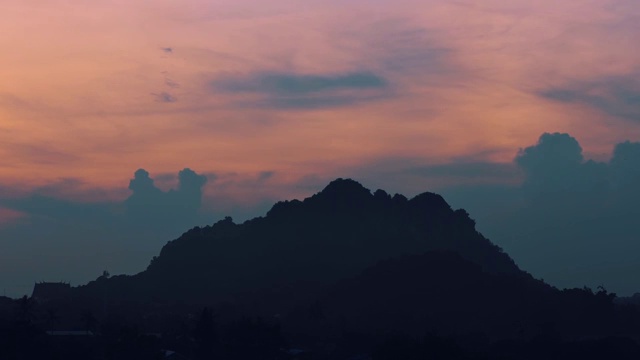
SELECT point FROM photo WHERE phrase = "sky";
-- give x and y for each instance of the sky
(123, 123)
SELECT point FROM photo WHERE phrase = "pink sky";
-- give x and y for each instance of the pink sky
(88, 88)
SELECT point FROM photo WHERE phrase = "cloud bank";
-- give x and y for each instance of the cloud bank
(572, 221)
(46, 237)
(565, 218)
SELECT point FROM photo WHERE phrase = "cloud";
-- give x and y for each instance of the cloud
(42, 154)
(468, 170)
(572, 221)
(10, 216)
(171, 83)
(305, 91)
(563, 217)
(315, 102)
(39, 205)
(291, 84)
(146, 206)
(189, 190)
(164, 97)
(266, 175)
(625, 165)
(613, 95)
(150, 203)
(145, 194)
(556, 164)
(398, 46)
(56, 232)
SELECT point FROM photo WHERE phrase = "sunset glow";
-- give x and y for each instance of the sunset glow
(269, 100)
(94, 91)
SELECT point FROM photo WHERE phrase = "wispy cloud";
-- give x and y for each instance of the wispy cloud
(615, 96)
(469, 170)
(10, 217)
(43, 154)
(305, 91)
(164, 97)
(171, 83)
(293, 84)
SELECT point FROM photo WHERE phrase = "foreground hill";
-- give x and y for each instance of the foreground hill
(332, 235)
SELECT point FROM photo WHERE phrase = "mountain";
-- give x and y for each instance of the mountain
(332, 235)
(349, 259)
(343, 274)
(441, 292)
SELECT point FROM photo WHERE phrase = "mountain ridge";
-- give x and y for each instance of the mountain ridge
(350, 260)
(333, 234)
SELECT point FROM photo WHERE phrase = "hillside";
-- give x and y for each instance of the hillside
(332, 235)
(441, 292)
(347, 269)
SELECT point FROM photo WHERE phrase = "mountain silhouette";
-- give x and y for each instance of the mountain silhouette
(347, 259)
(441, 292)
(332, 235)
(342, 273)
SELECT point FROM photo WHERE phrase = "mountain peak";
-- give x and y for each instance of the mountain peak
(342, 193)
(344, 187)
(333, 234)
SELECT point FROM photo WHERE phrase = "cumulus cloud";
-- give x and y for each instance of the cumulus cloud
(146, 199)
(556, 164)
(625, 165)
(572, 221)
(150, 203)
(142, 184)
(189, 192)
(147, 205)
(564, 217)
(84, 238)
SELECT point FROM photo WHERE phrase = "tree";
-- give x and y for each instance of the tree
(52, 318)
(205, 334)
(90, 321)
(25, 309)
